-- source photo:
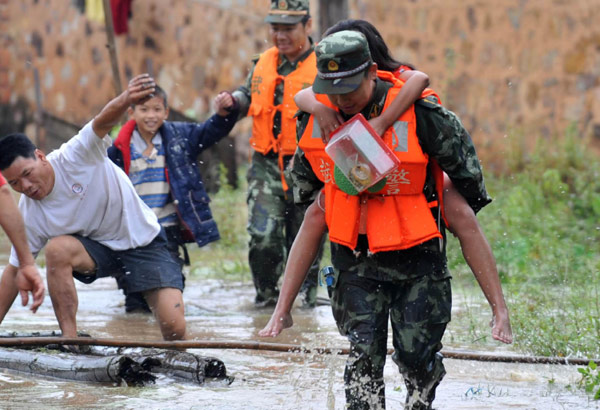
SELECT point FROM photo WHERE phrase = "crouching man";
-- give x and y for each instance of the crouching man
(86, 213)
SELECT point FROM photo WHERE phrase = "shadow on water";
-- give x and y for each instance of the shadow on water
(217, 310)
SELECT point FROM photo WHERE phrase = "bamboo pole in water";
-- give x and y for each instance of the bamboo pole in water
(275, 347)
(113, 369)
(136, 367)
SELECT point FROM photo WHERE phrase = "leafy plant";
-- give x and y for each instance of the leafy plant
(590, 379)
(544, 232)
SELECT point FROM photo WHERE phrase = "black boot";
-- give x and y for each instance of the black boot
(421, 387)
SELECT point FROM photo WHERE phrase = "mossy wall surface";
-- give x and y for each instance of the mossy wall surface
(511, 69)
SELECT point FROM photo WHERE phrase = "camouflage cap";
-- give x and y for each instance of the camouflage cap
(287, 11)
(342, 58)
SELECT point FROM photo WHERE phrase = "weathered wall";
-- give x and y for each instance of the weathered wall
(512, 69)
(194, 49)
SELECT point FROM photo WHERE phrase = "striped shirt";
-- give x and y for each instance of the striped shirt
(149, 178)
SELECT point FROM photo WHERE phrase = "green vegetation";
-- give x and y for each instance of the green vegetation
(590, 379)
(229, 255)
(544, 228)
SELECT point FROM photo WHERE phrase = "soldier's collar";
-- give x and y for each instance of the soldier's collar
(283, 59)
(375, 106)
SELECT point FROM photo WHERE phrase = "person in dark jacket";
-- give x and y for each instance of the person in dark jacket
(160, 158)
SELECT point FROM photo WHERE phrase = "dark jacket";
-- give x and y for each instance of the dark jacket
(183, 143)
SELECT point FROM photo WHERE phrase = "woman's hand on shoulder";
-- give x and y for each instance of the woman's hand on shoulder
(329, 120)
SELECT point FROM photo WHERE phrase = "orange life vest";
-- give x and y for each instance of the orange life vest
(398, 216)
(262, 108)
(426, 93)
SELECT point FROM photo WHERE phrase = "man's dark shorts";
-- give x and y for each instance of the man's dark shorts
(144, 268)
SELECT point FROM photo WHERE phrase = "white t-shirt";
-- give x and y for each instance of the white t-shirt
(91, 197)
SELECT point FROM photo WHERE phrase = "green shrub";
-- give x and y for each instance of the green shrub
(544, 229)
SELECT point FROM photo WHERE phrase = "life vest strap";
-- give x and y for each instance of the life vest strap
(280, 162)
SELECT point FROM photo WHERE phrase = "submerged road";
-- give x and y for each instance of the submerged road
(221, 311)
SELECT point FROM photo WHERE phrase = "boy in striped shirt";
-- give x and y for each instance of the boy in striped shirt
(160, 158)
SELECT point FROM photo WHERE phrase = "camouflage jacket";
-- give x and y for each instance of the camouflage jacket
(443, 137)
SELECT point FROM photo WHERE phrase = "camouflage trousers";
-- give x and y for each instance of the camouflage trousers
(419, 310)
(273, 222)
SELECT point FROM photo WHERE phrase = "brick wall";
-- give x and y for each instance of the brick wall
(514, 70)
(5, 56)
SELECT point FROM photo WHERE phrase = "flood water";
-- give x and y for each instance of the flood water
(221, 310)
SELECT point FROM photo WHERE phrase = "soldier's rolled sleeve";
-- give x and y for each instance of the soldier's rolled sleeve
(243, 93)
(306, 184)
(445, 139)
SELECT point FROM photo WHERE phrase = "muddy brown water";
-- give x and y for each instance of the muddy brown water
(223, 310)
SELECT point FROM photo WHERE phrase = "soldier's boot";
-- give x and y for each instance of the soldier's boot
(266, 297)
(365, 395)
(421, 387)
(308, 293)
(365, 388)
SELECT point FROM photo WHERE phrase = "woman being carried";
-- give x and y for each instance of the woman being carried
(459, 215)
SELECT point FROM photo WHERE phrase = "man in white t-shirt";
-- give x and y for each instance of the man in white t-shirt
(83, 209)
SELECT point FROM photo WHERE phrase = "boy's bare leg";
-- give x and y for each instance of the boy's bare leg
(63, 255)
(478, 254)
(168, 308)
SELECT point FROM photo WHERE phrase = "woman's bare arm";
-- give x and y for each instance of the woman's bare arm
(415, 83)
(302, 254)
(328, 118)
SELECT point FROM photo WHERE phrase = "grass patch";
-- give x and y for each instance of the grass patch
(544, 228)
(227, 257)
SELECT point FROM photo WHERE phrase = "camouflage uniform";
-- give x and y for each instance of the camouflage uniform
(411, 287)
(273, 218)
